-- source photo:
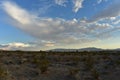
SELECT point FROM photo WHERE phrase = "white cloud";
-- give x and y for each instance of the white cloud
(77, 5)
(100, 1)
(61, 2)
(17, 13)
(14, 46)
(18, 44)
(117, 22)
(55, 32)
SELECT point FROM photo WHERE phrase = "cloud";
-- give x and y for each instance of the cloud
(77, 5)
(100, 1)
(14, 46)
(55, 32)
(116, 21)
(17, 13)
(61, 2)
(111, 11)
(49, 44)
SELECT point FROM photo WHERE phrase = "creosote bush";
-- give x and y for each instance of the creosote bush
(95, 74)
(43, 65)
(89, 62)
(41, 62)
(73, 71)
(3, 73)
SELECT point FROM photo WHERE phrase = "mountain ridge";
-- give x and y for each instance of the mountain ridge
(83, 49)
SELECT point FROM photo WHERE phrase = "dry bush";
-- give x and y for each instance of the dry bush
(4, 74)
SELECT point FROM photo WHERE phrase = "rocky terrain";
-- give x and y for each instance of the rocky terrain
(91, 65)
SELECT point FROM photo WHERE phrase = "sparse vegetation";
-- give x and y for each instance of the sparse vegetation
(53, 65)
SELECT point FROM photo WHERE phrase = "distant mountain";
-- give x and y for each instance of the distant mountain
(73, 50)
(118, 49)
(91, 49)
(63, 50)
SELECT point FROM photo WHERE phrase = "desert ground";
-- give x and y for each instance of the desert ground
(42, 65)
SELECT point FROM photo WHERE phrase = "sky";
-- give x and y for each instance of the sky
(49, 24)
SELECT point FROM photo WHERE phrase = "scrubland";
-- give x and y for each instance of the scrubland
(41, 65)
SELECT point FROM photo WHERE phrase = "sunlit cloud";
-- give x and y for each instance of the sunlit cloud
(77, 5)
(14, 46)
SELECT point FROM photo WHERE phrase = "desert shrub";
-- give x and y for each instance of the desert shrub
(41, 62)
(43, 65)
(73, 71)
(75, 59)
(3, 73)
(89, 62)
(106, 57)
(117, 62)
(95, 74)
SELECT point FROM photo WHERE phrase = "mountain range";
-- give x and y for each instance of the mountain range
(83, 49)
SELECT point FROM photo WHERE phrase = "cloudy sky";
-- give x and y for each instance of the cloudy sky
(49, 24)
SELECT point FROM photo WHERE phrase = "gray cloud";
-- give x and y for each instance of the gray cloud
(111, 11)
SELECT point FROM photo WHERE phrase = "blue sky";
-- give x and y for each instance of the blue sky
(49, 24)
